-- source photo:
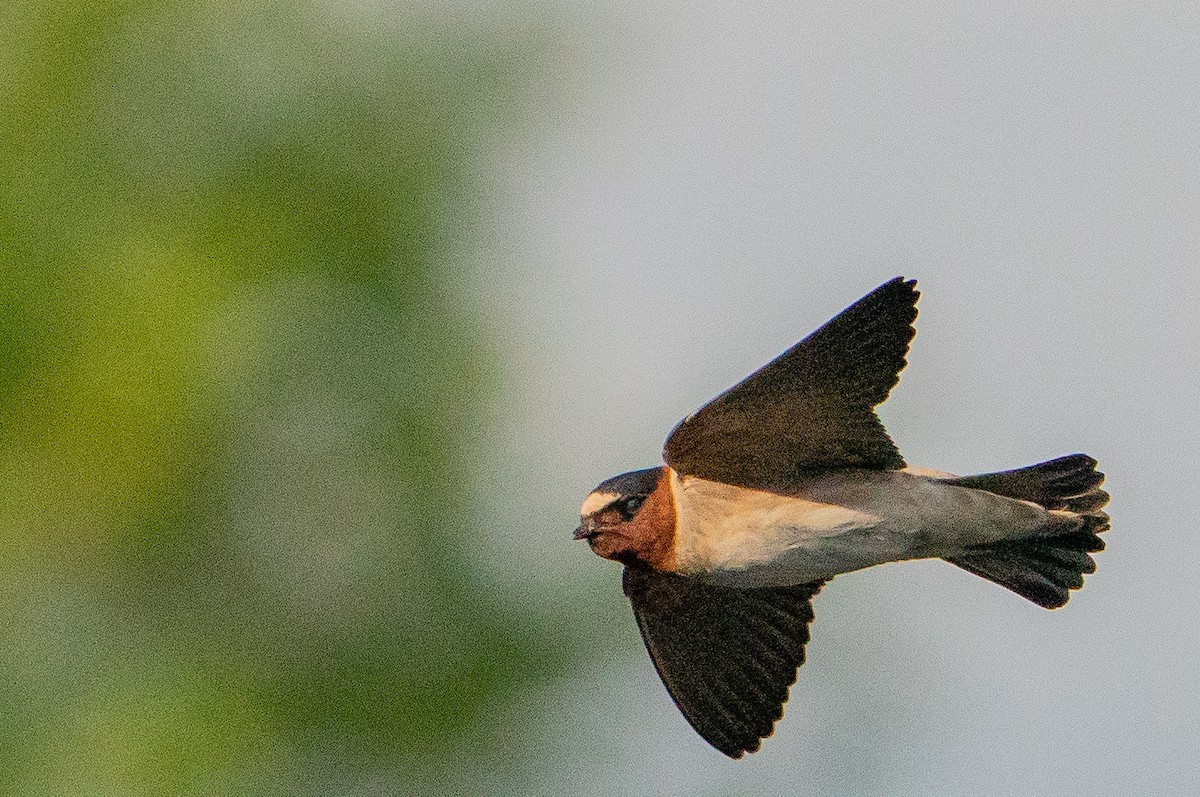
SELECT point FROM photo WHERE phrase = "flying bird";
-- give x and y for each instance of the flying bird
(788, 479)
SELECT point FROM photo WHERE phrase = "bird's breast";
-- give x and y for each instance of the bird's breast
(836, 523)
(736, 534)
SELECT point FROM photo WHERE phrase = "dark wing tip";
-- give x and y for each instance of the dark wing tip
(738, 751)
(900, 279)
(899, 293)
(900, 285)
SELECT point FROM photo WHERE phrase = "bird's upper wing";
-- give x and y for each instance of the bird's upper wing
(727, 656)
(811, 407)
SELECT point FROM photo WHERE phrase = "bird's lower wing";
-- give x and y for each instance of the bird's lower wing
(727, 656)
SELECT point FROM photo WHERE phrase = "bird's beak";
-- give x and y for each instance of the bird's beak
(586, 529)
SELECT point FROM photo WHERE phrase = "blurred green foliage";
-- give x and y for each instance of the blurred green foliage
(239, 401)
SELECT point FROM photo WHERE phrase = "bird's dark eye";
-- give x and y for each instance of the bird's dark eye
(629, 506)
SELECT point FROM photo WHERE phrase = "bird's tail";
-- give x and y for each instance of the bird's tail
(1044, 568)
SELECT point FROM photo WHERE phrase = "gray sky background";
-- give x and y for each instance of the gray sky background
(695, 187)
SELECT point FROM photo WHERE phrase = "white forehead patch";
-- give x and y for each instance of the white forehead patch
(597, 501)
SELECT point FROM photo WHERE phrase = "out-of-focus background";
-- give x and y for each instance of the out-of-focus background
(317, 322)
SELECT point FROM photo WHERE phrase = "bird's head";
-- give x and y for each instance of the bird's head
(631, 518)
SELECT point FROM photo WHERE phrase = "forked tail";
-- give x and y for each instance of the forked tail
(1044, 568)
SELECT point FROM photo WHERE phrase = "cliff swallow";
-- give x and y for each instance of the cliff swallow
(788, 479)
